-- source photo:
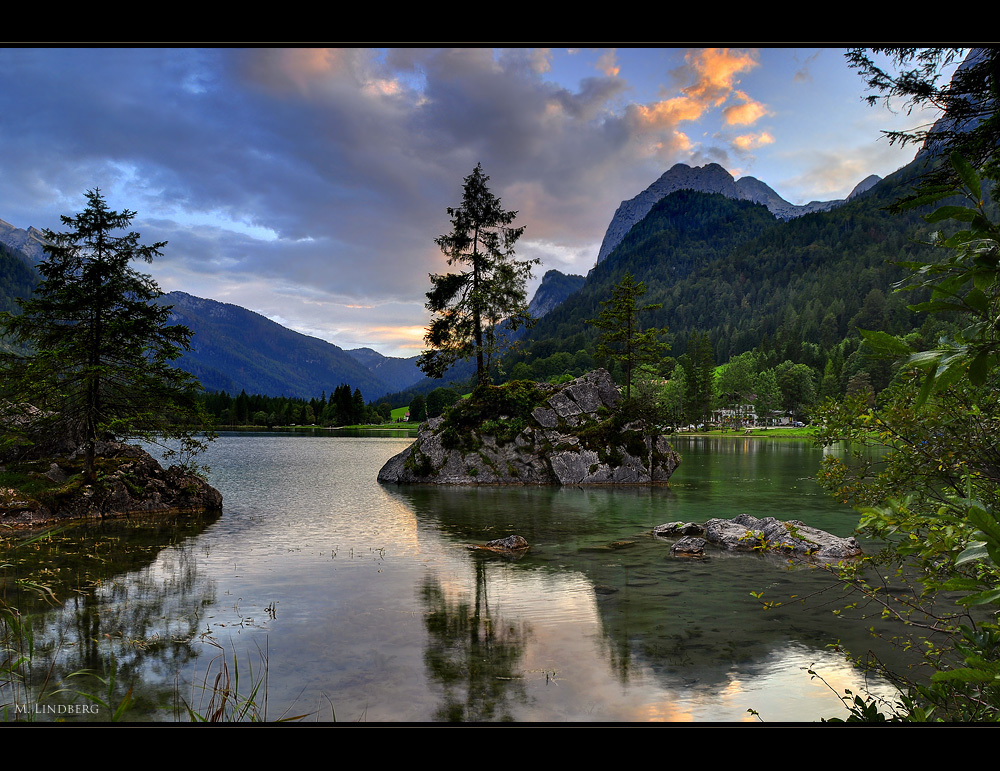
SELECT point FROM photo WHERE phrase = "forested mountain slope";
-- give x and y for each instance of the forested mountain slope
(236, 349)
(732, 270)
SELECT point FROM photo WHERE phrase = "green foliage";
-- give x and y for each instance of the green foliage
(925, 464)
(418, 409)
(698, 364)
(500, 411)
(966, 283)
(924, 471)
(474, 310)
(439, 400)
(969, 126)
(100, 349)
(730, 271)
(623, 339)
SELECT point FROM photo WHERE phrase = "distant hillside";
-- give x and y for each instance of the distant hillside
(553, 290)
(398, 374)
(236, 349)
(731, 269)
(17, 280)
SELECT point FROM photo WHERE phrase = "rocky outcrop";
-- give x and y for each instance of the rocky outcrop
(30, 242)
(131, 483)
(746, 533)
(536, 434)
(512, 544)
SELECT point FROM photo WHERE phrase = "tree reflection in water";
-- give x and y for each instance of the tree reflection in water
(121, 607)
(473, 654)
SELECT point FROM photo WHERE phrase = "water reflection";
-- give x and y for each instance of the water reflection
(380, 612)
(84, 628)
(473, 653)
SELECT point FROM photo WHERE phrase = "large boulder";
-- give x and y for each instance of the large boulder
(536, 434)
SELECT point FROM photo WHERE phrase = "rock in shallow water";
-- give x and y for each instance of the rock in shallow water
(748, 533)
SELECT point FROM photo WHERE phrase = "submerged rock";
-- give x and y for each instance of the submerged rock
(536, 434)
(689, 546)
(748, 533)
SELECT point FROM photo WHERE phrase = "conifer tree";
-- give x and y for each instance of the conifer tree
(474, 309)
(99, 355)
(623, 339)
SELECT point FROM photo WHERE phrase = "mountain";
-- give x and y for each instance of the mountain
(236, 349)
(27, 242)
(398, 374)
(17, 280)
(711, 178)
(553, 290)
(730, 269)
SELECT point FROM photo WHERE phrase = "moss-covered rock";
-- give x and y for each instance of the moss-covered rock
(528, 433)
(130, 482)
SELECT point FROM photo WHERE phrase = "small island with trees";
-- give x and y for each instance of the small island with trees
(582, 432)
(90, 374)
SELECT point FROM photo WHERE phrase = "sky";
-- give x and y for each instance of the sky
(309, 185)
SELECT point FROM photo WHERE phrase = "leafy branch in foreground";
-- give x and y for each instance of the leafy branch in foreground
(968, 100)
(924, 471)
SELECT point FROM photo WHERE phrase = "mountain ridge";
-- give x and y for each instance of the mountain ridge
(236, 349)
(711, 178)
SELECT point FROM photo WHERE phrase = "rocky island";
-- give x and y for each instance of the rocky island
(46, 484)
(525, 433)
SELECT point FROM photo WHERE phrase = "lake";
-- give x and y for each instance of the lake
(363, 602)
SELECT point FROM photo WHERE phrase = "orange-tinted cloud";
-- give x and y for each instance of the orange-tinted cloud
(746, 113)
(712, 73)
(293, 69)
(608, 63)
(716, 70)
(667, 113)
(750, 141)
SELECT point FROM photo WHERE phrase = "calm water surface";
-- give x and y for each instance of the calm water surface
(367, 605)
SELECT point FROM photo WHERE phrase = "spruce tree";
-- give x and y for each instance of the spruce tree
(623, 339)
(99, 349)
(474, 309)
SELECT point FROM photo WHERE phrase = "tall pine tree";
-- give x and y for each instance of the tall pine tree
(474, 309)
(99, 349)
(623, 338)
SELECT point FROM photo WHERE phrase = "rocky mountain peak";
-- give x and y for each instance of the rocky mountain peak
(711, 178)
(29, 242)
(555, 287)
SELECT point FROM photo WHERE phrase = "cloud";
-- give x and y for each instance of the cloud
(607, 63)
(297, 182)
(714, 72)
(749, 111)
(747, 142)
(803, 74)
